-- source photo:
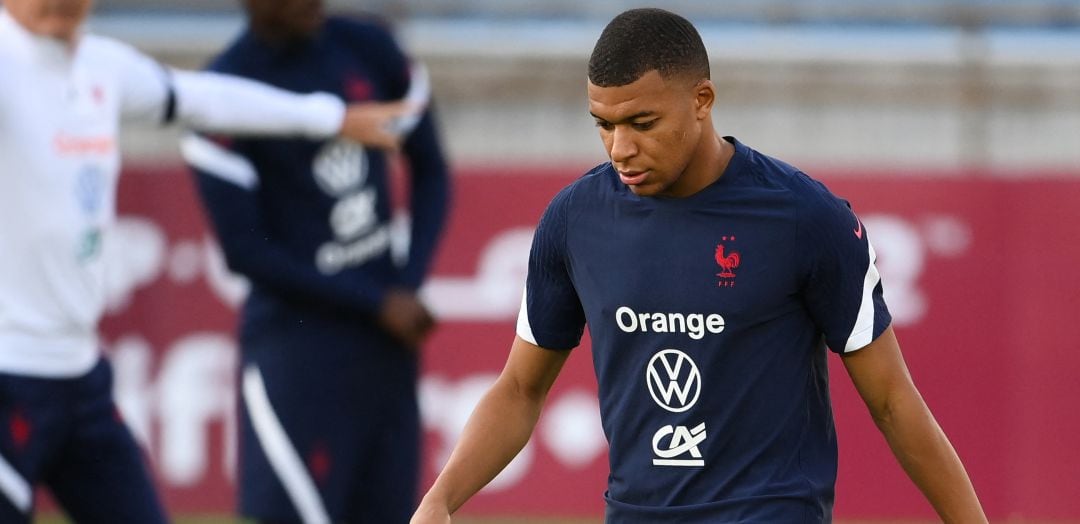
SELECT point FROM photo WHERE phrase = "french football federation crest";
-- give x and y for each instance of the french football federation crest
(728, 261)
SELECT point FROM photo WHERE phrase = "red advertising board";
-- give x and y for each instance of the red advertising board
(980, 275)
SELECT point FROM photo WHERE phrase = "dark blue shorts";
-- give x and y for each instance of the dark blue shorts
(329, 425)
(67, 435)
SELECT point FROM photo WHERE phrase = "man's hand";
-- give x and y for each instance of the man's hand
(374, 124)
(405, 317)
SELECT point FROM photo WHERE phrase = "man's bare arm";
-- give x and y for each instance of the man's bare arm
(497, 430)
(882, 379)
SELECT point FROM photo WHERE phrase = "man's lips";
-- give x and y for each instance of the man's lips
(632, 178)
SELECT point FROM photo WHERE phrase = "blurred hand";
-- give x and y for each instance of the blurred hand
(374, 123)
(405, 317)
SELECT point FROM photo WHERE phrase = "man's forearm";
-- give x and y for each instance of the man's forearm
(929, 459)
(498, 429)
(216, 102)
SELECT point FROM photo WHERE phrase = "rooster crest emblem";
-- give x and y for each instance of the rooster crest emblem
(727, 261)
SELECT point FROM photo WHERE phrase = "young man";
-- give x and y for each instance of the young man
(63, 95)
(329, 335)
(712, 278)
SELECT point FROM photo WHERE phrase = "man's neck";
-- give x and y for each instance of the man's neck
(709, 163)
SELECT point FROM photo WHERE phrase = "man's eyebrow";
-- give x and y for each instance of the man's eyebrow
(632, 117)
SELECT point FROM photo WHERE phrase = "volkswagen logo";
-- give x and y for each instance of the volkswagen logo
(674, 380)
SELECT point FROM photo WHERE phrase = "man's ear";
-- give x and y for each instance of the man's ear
(704, 97)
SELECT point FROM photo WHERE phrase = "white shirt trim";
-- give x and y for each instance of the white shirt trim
(218, 161)
(862, 333)
(524, 330)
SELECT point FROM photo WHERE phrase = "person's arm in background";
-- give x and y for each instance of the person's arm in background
(220, 103)
(403, 313)
(429, 176)
(429, 197)
(884, 383)
(497, 430)
(214, 102)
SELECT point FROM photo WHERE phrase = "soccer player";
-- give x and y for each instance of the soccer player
(712, 278)
(329, 335)
(63, 96)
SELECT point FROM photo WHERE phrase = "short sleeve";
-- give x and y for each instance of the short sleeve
(551, 315)
(842, 289)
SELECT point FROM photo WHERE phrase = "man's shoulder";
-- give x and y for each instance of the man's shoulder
(584, 193)
(589, 188)
(765, 168)
(237, 57)
(600, 179)
(814, 202)
(359, 27)
(778, 174)
(107, 50)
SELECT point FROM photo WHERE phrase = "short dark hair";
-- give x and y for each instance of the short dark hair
(641, 40)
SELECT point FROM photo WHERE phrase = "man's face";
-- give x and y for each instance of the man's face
(59, 19)
(286, 19)
(651, 129)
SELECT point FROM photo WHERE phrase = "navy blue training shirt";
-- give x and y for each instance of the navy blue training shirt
(709, 317)
(308, 221)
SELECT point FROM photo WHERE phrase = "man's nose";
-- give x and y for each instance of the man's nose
(623, 146)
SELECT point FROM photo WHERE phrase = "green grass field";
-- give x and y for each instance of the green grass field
(458, 520)
(219, 519)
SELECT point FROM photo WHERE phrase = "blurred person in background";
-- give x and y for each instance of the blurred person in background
(712, 278)
(331, 330)
(63, 96)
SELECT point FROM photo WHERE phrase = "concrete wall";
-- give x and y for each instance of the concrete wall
(1000, 101)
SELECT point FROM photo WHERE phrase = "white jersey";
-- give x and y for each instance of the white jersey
(60, 112)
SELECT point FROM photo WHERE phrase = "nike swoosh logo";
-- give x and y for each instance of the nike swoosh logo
(858, 232)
